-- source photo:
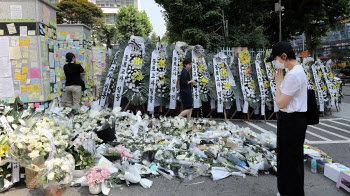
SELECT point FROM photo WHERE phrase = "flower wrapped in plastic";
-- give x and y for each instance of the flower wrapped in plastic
(96, 175)
(57, 171)
(33, 145)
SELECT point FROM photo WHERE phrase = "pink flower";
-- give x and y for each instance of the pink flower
(30, 148)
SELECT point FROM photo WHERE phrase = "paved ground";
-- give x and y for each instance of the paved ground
(332, 136)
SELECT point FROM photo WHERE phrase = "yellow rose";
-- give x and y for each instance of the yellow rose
(205, 80)
(162, 62)
(227, 85)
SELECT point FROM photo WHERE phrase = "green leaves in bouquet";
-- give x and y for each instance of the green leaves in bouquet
(85, 158)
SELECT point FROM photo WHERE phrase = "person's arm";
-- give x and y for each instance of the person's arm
(82, 70)
(291, 84)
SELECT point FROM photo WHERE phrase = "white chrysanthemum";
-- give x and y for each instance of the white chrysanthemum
(34, 154)
(51, 176)
(10, 119)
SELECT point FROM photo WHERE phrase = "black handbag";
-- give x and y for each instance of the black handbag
(312, 113)
(82, 84)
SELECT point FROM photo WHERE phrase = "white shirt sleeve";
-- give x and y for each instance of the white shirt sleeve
(290, 85)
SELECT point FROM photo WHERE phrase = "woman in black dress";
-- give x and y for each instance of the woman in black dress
(186, 90)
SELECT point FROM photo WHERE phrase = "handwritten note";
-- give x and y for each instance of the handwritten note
(23, 88)
(15, 52)
(29, 88)
(11, 28)
(46, 15)
(34, 73)
(24, 70)
(23, 31)
(16, 11)
(36, 87)
(6, 90)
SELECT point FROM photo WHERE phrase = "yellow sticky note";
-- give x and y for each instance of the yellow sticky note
(26, 42)
(23, 78)
(12, 100)
(62, 33)
(59, 92)
(49, 96)
(82, 51)
(54, 20)
(36, 87)
(20, 42)
(66, 33)
(29, 88)
(47, 33)
(13, 63)
(17, 70)
(1, 32)
(31, 33)
(18, 76)
(23, 88)
(24, 70)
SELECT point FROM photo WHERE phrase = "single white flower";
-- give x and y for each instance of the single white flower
(51, 176)
(34, 154)
(10, 119)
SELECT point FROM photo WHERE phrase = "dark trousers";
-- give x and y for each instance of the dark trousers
(291, 129)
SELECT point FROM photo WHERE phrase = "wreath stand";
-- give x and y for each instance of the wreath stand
(216, 106)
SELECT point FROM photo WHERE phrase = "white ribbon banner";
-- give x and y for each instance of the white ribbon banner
(319, 92)
(218, 86)
(108, 80)
(231, 80)
(5, 124)
(329, 86)
(196, 98)
(272, 85)
(174, 73)
(242, 79)
(121, 77)
(152, 82)
(261, 86)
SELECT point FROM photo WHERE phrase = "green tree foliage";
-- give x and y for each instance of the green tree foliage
(107, 34)
(78, 11)
(338, 54)
(165, 38)
(154, 38)
(132, 22)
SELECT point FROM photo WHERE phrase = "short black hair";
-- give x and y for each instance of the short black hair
(186, 62)
(69, 57)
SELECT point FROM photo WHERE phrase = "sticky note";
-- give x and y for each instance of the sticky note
(25, 42)
(25, 99)
(44, 64)
(12, 100)
(29, 88)
(36, 105)
(82, 50)
(59, 92)
(31, 33)
(17, 70)
(34, 73)
(43, 69)
(23, 88)
(24, 61)
(7, 100)
(18, 76)
(24, 70)
(15, 53)
(41, 98)
(23, 78)
(66, 33)
(1, 31)
(49, 96)
(35, 80)
(46, 105)
(28, 81)
(36, 87)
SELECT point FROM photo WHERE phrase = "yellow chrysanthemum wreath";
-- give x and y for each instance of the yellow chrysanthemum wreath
(244, 56)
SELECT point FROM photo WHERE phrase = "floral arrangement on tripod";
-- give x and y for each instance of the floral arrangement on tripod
(203, 73)
(162, 90)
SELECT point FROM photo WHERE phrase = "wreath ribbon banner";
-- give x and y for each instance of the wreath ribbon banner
(152, 82)
(196, 98)
(121, 77)
(231, 80)
(319, 91)
(218, 86)
(242, 78)
(261, 86)
(174, 72)
(108, 80)
(272, 86)
(329, 86)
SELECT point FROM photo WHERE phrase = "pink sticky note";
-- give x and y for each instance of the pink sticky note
(86, 103)
(44, 64)
(34, 73)
(72, 36)
(37, 105)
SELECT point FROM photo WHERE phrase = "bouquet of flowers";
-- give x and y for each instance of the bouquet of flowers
(58, 170)
(96, 175)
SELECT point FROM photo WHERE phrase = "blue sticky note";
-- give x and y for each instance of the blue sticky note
(78, 48)
(25, 99)
(35, 80)
(7, 100)
(55, 86)
(46, 105)
(42, 69)
(154, 168)
(81, 57)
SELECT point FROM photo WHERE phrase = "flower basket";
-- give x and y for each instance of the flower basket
(31, 177)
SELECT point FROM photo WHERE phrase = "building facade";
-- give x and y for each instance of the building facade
(339, 38)
(111, 7)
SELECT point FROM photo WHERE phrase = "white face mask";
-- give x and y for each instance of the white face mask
(279, 65)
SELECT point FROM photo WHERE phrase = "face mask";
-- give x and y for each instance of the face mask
(279, 65)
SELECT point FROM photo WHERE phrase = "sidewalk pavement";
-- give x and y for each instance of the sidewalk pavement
(344, 111)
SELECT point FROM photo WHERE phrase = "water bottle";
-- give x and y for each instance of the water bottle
(313, 165)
